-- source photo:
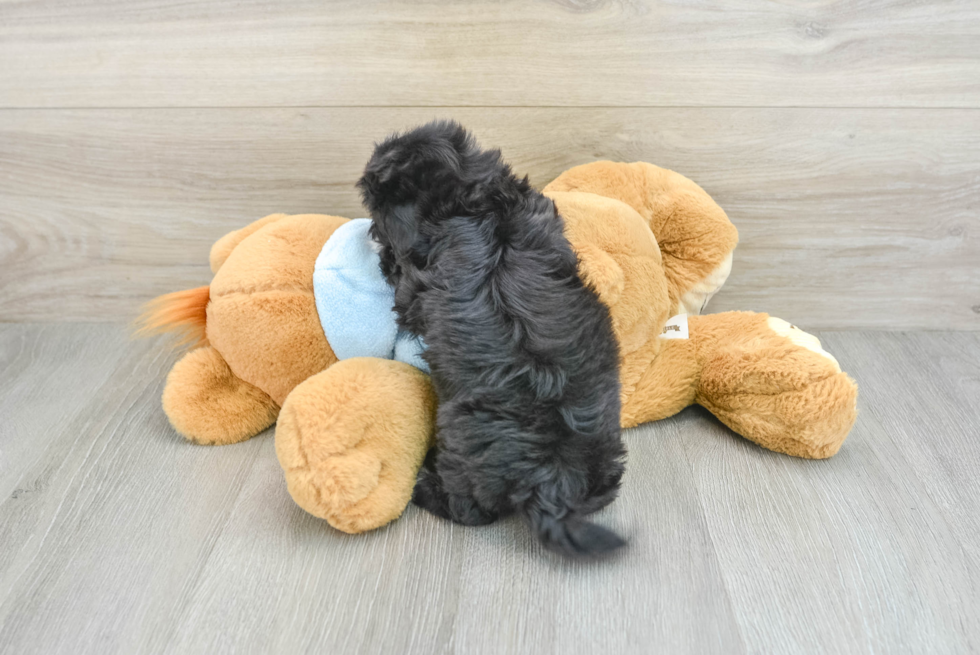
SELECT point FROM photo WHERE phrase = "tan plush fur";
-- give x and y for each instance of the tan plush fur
(208, 404)
(352, 434)
(262, 316)
(619, 257)
(693, 232)
(762, 385)
(352, 438)
(223, 246)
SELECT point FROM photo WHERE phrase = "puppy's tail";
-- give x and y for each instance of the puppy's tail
(566, 532)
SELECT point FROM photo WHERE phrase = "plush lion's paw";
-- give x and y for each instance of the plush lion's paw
(351, 439)
(208, 404)
(800, 338)
(775, 384)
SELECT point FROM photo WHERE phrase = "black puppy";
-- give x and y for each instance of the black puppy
(522, 353)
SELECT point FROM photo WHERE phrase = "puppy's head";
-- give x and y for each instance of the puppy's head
(415, 180)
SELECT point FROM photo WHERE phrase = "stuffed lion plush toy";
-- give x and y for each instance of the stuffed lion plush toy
(297, 327)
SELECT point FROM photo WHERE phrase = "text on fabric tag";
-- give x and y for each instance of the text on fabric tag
(675, 328)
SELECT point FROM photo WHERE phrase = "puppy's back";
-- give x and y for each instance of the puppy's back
(522, 352)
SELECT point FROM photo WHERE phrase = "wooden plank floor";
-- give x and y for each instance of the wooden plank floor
(117, 536)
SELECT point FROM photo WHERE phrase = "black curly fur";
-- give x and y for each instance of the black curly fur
(522, 353)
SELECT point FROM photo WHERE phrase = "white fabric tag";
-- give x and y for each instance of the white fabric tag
(675, 328)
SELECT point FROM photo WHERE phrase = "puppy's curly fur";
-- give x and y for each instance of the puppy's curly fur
(522, 353)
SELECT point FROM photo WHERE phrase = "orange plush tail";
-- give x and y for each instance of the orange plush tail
(184, 312)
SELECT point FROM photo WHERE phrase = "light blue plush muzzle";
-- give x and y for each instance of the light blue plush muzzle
(355, 302)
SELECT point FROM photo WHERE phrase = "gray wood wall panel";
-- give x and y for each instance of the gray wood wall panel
(849, 218)
(144, 53)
